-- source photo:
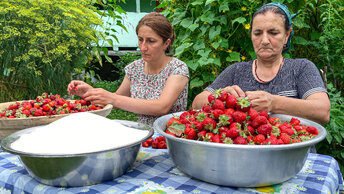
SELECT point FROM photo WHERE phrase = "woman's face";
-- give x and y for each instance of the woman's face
(151, 44)
(268, 35)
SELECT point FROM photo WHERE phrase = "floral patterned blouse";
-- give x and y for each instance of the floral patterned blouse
(144, 86)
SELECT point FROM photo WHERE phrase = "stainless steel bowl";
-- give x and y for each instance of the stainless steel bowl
(238, 165)
(78, 169)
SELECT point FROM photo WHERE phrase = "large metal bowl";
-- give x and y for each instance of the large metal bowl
(78, 169)
(238, 165)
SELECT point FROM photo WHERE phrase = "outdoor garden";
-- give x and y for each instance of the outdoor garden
(46, 44)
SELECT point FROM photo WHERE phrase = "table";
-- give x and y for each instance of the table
(154, 172)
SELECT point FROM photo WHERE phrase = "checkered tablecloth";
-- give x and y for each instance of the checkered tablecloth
(154, 172)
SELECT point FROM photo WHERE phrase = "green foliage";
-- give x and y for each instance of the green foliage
(122, 115)
(110, 9)
(213, 34)
(42, 43)
(334, 143)
(125, 58)
(319, 36)
(210, 35)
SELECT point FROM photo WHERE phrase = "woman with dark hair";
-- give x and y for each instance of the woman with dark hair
(154, 85)
(272, 82)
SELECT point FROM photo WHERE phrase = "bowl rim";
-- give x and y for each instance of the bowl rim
(8, 140)
(322, 134)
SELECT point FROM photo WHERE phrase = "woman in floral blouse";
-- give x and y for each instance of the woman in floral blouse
(155, 85)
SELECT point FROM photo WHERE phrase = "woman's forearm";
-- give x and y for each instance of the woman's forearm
(315, 108)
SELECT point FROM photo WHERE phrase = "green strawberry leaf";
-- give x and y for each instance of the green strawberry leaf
(177, 129)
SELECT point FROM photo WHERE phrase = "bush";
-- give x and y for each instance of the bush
(213, 34)
(42, 43)
(333, 145)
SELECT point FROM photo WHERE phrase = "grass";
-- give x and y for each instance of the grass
(122, 115)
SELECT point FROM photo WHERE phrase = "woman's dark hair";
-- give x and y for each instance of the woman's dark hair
(160, 24)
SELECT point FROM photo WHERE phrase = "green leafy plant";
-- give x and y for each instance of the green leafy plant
(213, 34)
(333, 145)
(42, 43)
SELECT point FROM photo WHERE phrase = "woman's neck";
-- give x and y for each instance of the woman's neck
(270, 63)
(155, 67)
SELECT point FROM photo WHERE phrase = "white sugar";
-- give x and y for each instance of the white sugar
(78, 133)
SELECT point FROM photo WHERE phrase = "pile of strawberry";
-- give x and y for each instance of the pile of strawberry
(232, 120)
(157, 143)
(46, 105)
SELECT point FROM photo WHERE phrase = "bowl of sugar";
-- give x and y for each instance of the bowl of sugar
(78, 150)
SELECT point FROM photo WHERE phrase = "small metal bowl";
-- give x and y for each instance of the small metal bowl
(238, 165)
(78, 169)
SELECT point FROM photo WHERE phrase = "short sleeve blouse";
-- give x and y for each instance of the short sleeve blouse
(144, 86)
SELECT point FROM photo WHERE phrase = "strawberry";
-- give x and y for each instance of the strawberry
(46, 107)
(240, 140)
(312, 130)
(223, 135)
(25, 112)
(250, 140)
(186, 117)
(274, 121)
(208, 136)
(224, 120)
(201, 115)
(198, 125)
(259, 139)
(228, 140)
(258, 121)
(209, 124)
(264, 129)
(38, 112)
(216, 113)
(223, 129)
(252, 113)
(218, 104)
(192, 111)
(221, 95)
(285, 138)
(201, 135)
(215, 138)
(173, 120)
(229, 111)
(294, 121)
(155, 145)
(290, 131)
(206, 108)
(243, 104)
(211, 98)
(264, 113)
(239, 116)
(249, 130)
(231, 101)
(298, 128)
(145, 144)
(162, 145)
(233, 132)
(160, 138)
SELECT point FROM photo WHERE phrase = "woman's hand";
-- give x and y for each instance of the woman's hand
(78, 88)
(234, 90)
(260, 100)
(99, 96)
